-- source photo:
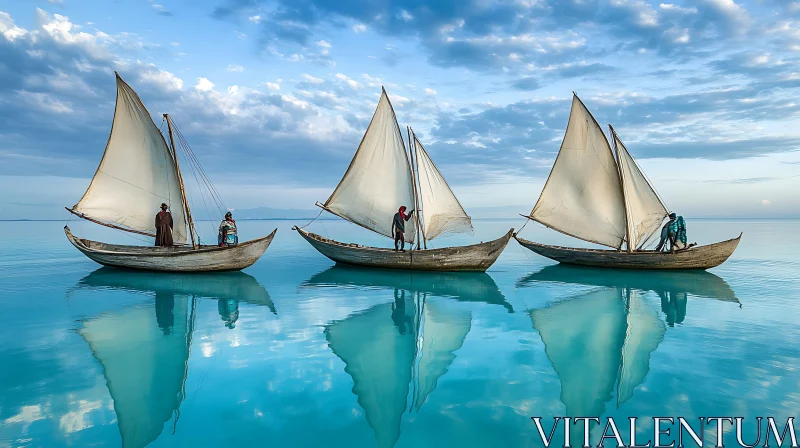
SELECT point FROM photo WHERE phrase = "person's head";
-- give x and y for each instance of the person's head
(672, 216)
(229, 216)
(403, 209)
(164, 206)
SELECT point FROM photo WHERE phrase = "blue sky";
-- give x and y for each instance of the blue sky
(274, 96)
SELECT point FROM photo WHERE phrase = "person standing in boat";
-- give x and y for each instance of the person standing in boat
(164, 227)
(399, 228)
(227, 232)
(665, 236)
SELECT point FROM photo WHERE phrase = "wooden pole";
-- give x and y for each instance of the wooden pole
(180, 181)
(421, 230)
(417, 224)
(622, 186)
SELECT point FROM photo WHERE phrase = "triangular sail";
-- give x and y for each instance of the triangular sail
(442, 332)
(378, 347)
(645, 332)
(144, 355)
(137, 173)
(378, 180)
(645, 211)
(583, 197)
(441, 211)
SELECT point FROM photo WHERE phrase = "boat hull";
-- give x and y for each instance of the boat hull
(173, 259)
(698, 257)
(477, 257)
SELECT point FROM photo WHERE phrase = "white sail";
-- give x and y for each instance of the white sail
(378, 180)
(582, 197)
(137, 173)
(645, 332)
(144, 357)
(645, 210)
(441, 211)
(442, 332)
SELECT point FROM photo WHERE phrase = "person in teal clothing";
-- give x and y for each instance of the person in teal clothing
(665, 236)
(227, 232)
(674, 231)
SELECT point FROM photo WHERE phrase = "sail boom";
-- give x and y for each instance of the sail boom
(124, 229)
(566, 233)
(322, 206)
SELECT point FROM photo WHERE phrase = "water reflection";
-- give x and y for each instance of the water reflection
(145, 354)
(461, 286)
(145, 359)
(236, 286)
(597, 340)
(396, 352)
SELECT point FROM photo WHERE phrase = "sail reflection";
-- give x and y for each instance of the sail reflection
(236, 286)
(396, 352)
(461, 286)
(145, 359)
(597, 340)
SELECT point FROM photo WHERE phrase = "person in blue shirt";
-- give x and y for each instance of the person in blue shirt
(227, 232)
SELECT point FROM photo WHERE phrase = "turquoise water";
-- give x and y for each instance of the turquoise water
(296, 352)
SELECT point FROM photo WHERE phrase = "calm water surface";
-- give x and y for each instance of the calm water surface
(297, 352)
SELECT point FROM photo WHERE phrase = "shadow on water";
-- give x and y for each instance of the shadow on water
(600, 342)
(144, 349)
(396, 352)
(228, 286)
(461, 286)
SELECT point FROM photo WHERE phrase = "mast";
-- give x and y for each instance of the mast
(624, 196)
(180, 181)
(420, 230)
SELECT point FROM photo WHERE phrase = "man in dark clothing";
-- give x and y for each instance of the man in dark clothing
(665, 234)
(399, 227)
(164, 227)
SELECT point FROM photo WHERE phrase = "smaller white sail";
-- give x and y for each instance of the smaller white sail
(137, 173)
(583, 197)
(441, 211)
(645, 211)
(645, 332)
(378, 181)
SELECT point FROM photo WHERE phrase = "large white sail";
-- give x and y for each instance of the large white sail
(645, 332)
(645, 211)
(144, 357)
(583, 197)
(442, 332)
(137, 173)
(378, 180)
(441, 211)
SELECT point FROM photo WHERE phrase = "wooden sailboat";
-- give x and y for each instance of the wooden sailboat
(415, 340)
(145, 360)
(137, 173)
(380, 179)
(597, 197)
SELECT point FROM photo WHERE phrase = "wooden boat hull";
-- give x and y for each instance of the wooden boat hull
(173, 259)
(698, 257)
(477, 257)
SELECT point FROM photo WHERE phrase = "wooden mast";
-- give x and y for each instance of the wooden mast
(622, 186)
(180, 181)
(413, 156)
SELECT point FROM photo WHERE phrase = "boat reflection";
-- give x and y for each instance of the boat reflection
(228, 286)
(461, 286)
(597, 340)
(397, 347)
(145, 358)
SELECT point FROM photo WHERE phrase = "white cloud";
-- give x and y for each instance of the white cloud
(235, 68)
(274, 86)
(56, 2)
(359, 28)
(310, 79)
(766, 202)
(325, 46)
(45, 102)
(405, 15)
(349, 81)
(8, 29)
(204, 85)
(166, 80)
(254, 19)
(430, 91)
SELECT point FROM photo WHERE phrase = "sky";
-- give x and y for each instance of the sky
(274, 95)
